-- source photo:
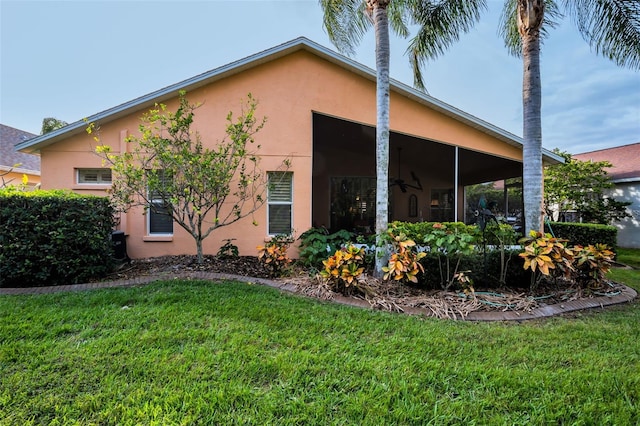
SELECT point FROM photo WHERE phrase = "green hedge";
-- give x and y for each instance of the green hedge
(417, 231)
(584, 233)
(484, 274)
(53, 238)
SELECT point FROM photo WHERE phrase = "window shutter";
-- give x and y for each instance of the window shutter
(279, 219)
(280, 199)
(94, 176)
(280, 187)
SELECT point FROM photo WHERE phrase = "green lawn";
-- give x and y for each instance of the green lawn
(194, 352)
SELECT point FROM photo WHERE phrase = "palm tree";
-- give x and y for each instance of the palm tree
(441, 22)
(611, 27)
(346, 21)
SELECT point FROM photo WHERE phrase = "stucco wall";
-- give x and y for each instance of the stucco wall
(629, 228)
(289, 89)
(14, 177)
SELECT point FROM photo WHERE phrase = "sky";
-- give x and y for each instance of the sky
(72, 59)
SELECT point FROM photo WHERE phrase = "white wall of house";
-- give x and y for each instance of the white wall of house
(629, 228)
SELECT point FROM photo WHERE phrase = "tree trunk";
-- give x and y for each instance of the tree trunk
(530, 17)
(199, 249)
(381, 25)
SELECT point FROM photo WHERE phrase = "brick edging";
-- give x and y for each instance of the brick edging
(626, 295)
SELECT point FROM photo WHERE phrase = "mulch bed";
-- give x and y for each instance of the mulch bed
(382, 295)
(248, 266)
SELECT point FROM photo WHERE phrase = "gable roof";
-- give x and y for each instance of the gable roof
(9, 156)
(625, 161)
(265, 56)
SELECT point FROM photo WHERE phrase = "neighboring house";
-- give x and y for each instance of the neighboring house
(625, 175)
(14, 165)
(321, 110)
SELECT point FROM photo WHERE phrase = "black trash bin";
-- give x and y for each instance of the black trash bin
(119, 242)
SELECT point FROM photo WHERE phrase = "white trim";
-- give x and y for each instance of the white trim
(626, 180)
(279, 203)
(99, 171)
(148, 223)
(456, 168)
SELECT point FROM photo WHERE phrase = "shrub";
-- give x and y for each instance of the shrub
(404, 263)
(484, 269)
(228, 249)
(316, 244)
(343, 269)
(450, 244)
(501, 236)
(274, 254)
(587, 266)
(54, 238)
(546, 256)
(584, 234)
(417, 231)
(592, 264)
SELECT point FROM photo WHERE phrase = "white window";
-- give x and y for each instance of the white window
(159, 220)
(94, 176)
(280, 203)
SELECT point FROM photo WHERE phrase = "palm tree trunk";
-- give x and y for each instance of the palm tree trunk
(381, 24)
(530, 17)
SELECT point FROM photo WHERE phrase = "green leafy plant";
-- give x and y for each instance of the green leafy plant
(592, 263)
(228, 249)
(343, 269)
(317, 243)
(503, 235)
(449, 244)
(274, 254)
(546, 256)
(404, 262)
(54, 237)
(465, 282)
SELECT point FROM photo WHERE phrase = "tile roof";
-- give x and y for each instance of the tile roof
(625, 160)
(9, 157)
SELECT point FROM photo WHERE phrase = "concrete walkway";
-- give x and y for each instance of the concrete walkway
(625, 296)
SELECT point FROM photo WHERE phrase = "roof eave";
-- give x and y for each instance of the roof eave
(150, 99)
(301, 43)
(20, 170)
(626, 180)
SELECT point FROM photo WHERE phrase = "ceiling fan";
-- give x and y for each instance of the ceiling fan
(401, 183)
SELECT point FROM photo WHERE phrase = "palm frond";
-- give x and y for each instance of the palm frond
(611, 27)
(345, 23)
(508, 26)
(399, 17)
(440, 25)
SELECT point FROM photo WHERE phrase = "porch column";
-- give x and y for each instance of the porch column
(455, 184)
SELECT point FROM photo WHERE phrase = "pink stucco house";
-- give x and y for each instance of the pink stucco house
(321, 114)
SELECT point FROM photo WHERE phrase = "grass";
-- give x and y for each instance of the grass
(194, 352)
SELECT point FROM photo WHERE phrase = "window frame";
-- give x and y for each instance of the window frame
(156, 200)
(100, 172)
(271, 202)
